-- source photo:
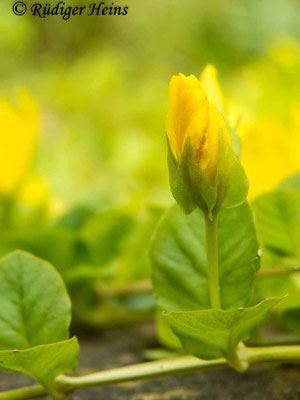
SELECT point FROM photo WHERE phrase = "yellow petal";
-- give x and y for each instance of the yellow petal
(208, 156)
(187, 113)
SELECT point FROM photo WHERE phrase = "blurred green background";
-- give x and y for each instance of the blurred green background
(100, 180)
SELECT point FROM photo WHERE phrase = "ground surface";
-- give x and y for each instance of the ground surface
(124, 346)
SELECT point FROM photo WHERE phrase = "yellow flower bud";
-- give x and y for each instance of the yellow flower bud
(204, 171)
(187, 113)
(190, 115)
(18, 140)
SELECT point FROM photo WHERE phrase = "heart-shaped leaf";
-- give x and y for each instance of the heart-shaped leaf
(42, 363)
(278, 222)
(35, 315)
(278, 227)
(178, 255)
(211, 334)
(35, 307)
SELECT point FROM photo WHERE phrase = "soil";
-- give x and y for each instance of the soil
(119, 347)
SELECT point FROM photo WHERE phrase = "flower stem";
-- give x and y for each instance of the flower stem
(211, 227)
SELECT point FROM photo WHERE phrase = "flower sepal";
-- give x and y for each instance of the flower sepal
(189, 184)
(231, 179)
(192, 188)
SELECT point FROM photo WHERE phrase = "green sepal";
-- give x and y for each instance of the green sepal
(204, 194)
(190, 184)
(236, 143)
(231, 179)
(179, 185)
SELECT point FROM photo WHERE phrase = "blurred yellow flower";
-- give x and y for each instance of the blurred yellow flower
(191, 115)
(18, 140)
(269, 153)
(284, 51)
(34, 193)
(265, 92)
(211, 86)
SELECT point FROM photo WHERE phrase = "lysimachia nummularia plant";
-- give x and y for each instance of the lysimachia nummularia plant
(204, 262)
(205, 256)
(205, 252)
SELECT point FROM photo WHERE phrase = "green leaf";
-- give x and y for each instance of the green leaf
(55, 244)
(76, 218)
(278, 226)
(104, 235)
(35, 307)
(293, 182)
(130, 267)
(164, 332)
(35, 315)
(43, 363)
(291, 319)
(178, 256)
(278, 222)
(211, 334)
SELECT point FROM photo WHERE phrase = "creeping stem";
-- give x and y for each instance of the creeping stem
(148, 370)
(154, 369)
(211, 227)
(25, 393)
